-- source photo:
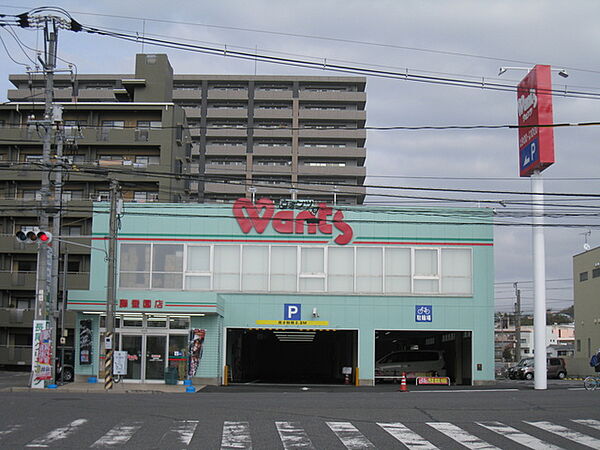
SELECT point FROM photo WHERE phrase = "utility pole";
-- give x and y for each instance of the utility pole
(517, 322)
(111, 289)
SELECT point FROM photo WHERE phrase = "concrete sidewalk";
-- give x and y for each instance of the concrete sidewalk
(118, 388)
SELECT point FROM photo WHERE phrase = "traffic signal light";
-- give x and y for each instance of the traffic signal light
(35, 235)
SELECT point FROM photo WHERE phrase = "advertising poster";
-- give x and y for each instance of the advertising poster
(44, 356)
(196, 347)
(85, 341)
(38, 326)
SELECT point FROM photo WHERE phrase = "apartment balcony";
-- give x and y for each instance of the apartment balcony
(187, 94)
(359, 116)
(279, 150)
(334, 96)
(227, 94)
(284, 133)
(358, 153)
(359, 134)
(260, 113)
(225, 169)
(260, 94)
(332, 171)
(225, 150)
(225, 188)
(226, 132)
(227, 113)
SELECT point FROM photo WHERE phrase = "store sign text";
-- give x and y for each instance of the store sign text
(136, 303)
(258, 215)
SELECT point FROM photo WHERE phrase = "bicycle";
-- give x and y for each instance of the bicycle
(591, 383)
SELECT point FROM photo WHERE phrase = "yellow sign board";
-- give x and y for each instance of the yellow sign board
(293, 322)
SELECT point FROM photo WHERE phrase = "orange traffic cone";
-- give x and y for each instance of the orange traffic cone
(403, 387)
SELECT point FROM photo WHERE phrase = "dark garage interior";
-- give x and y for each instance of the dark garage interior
(290, 355)
(456, 346)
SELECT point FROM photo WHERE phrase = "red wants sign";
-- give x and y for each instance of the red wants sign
(258, 216)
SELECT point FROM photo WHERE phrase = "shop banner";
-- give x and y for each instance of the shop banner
(85, 341)
(38, 327)
(44, 356)
(196, 348)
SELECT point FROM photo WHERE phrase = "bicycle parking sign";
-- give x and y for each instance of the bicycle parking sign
(423, 313)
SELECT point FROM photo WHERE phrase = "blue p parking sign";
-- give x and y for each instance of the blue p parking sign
(292, 311)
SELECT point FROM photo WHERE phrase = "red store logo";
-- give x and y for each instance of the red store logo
(261, 213)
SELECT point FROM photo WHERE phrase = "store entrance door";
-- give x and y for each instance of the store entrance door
(146, 356)
(155, 357)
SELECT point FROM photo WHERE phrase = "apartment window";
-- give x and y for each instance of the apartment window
(71, 230)
(108, 125)
(100, 196)
(31, 194)
(33, 158)
(273, 162)
(144, 161)
(143, 196)
(67, 196)
(583, 276)
(25, 266)
(142, 131)
(325, 164)
(596, 273)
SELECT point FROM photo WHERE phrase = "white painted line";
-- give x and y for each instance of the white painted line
(588, 422)
(461, 436)
(57, 434)
(467, 390)
(566, 433)
(293, 436)
(513, 434)
(183, 431)
(118, 435)
(10, 429)
(408, 437)
(236, 435)
(349, 435)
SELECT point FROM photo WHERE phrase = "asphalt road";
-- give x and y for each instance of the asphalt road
(260, 417)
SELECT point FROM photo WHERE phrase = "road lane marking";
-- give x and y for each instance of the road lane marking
(588, 422)
(566, 433)
(293, 436)
(349, 435)
(183, 431)
(461, 436)
(57, 434)
(236, 435)
(406, 436)
(10, 429)
(513, 434)
(118, 435)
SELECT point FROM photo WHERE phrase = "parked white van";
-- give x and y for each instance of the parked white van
(414, 363)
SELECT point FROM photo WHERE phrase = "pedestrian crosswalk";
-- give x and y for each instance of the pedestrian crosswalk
(294, 435)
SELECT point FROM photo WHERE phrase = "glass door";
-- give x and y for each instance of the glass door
(132, 344)
(155, 357)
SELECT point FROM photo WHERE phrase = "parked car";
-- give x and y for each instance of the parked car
(556, 368)
(514, 371)
(412, 362)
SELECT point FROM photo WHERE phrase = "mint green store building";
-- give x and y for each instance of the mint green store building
(291, 293)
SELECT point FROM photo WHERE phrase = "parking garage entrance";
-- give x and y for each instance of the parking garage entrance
(291, 355)
(415, 352)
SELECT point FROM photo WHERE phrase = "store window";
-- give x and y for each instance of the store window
(255, 268)
(167, 266)
(312, 269)
(340, 269)
(426, 278)
(198, 269)
(135, 266)
(284, 269)
(456, 271)
(369, 269)
(397, 270)
(227, 268)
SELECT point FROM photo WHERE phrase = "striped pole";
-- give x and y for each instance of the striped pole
(108, 365)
